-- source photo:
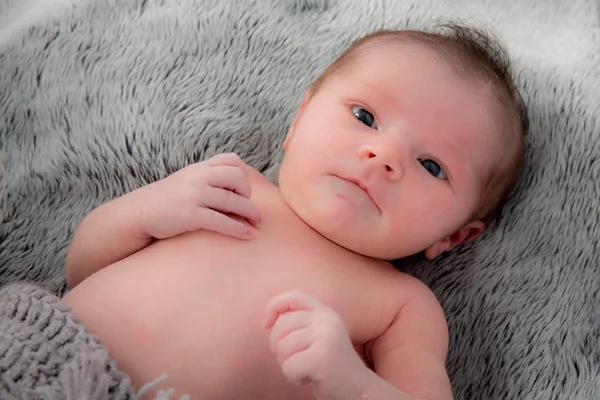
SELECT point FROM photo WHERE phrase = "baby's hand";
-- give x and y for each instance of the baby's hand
(201, 196)
(313, 346)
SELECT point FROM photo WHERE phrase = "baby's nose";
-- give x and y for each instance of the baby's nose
(384, 158)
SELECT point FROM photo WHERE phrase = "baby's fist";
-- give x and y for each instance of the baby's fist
(312, 344)
(206, 195)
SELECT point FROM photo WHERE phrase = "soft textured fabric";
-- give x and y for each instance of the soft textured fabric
(100, 97)
(46, 353)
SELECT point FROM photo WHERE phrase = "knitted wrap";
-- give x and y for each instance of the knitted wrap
(46, 352)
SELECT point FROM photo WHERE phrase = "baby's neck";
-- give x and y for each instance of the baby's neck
(272, 205)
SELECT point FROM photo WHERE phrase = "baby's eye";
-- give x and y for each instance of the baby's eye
(433, 168)
(364, 116)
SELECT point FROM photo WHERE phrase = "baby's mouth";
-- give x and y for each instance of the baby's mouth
(358, 183)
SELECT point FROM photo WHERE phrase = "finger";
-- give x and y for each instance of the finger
(296, 342)
(297, 368)
(230, 159)
(287, 323)
(230, 178)
(215, 221)
(229, 202)
(294, 300)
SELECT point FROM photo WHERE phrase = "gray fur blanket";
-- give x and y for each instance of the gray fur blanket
(100, 97)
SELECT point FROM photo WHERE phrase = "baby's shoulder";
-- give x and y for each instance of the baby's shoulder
(419, 319)
(416, 302)
(405, 296)
(421, 296)
(409, 288)
(417, 289)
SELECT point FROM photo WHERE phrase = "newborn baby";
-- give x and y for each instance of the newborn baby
(237, 288)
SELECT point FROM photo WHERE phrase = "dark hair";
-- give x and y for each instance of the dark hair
(478, 57)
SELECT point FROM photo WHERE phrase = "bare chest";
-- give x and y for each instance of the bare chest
(237, 277)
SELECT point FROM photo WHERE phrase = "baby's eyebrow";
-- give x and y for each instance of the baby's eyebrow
(453, 158)
(380, 95)
(469, 165)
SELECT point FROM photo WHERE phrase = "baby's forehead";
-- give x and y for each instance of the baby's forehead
(384, 63)
(396, 66)
(372, 52)
(413, 52)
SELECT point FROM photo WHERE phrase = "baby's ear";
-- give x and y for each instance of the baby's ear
(307, 95)
(463, 235)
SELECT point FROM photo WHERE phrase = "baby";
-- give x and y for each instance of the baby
(237, 288)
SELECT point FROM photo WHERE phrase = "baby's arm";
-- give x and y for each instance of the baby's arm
(411, 354)
(313, 346)
(108, 234)
(201, 196)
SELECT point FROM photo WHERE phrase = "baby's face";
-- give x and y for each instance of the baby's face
(386, 157)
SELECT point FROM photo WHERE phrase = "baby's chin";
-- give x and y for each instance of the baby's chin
(363, 244)
(361, 230)
(355, 237)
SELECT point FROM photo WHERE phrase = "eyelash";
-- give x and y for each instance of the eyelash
(355, 110)
(439, 165)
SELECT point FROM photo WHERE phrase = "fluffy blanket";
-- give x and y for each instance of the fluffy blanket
(100, 97)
